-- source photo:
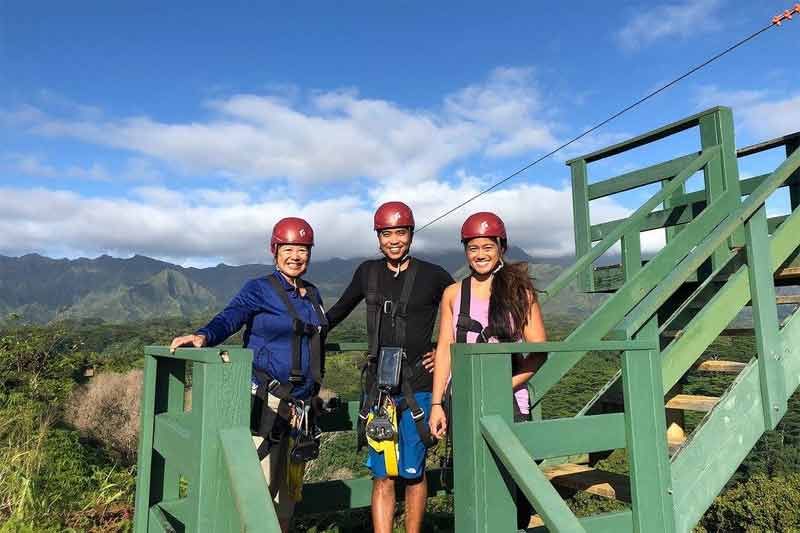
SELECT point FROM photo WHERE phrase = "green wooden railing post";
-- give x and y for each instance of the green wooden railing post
(765, 318)
(722, 173)
(677, 196)
(221, 393)
(581, 220)
(144, 496)
(483, 489)
(651, 483)
(794, 188)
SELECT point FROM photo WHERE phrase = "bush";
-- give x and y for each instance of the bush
(759, 504)
(107, 409)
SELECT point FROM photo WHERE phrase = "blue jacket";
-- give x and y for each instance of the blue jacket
(268, 329)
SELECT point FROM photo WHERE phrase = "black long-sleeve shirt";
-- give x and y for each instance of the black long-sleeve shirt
(423, 305)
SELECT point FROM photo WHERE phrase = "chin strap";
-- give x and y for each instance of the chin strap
(400, 264)
(500, 264)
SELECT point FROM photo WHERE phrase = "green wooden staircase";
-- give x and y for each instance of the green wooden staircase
(722, 255)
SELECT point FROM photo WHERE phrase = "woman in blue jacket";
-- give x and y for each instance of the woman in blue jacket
(285, 327)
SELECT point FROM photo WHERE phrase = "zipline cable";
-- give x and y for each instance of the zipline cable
(776, 21)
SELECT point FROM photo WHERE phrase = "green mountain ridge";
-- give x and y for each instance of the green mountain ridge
(39, 289)
(169, 293)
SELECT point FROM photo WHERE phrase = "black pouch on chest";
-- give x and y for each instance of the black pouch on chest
(390, 365)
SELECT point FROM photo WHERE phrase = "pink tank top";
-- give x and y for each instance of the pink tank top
(479, 310)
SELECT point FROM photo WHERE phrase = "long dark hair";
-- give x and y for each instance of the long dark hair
(513, 294)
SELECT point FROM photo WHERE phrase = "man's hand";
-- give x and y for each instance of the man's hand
(437, 422)
(197, 341)
(429, 361)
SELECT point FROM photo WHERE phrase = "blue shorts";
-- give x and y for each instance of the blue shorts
(411, 463)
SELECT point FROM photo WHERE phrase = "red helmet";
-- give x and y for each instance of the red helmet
(483, 224)
(291, 230)
(393, 215)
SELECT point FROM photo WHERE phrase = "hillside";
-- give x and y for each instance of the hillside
(40, 289)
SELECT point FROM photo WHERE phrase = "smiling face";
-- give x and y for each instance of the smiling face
(482, 254)
(292, 259)
(394, 242)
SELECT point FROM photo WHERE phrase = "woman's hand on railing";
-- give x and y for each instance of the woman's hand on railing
(196, 341)
(437, 421)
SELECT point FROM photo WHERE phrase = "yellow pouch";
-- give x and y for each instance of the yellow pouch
(294, 474)
(390, 449)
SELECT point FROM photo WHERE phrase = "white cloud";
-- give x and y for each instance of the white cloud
(678, 19)
(760, 112)
(32, 165)
(333, 136)
(191, 228)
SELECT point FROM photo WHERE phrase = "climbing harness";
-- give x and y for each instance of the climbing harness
(272, 424)
(387, 371)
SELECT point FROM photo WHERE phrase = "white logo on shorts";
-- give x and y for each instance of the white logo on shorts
(411, 470)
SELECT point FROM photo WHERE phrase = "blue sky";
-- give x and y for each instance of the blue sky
(184, 131)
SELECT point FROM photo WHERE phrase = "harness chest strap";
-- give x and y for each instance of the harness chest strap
(465, 323)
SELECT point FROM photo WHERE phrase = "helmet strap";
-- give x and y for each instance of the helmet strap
(500, 264)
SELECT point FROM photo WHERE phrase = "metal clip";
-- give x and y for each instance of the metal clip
(224, 356)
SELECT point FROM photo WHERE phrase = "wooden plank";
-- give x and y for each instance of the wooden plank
(720, 366)
(690, 402)
(599, 482)
(662, 218)
(717, 447)
(649, 137)
(648, 455)
(482, 498)
(530, 480)
(791, 299)
(640, 177)
(250, 495)
(792, 272)
(768, 145)
(730, 332)
(570, 436)
(144, 497)
(581, 221)
(342, 494)
(505, 348)
(346, 347)
(616, 522)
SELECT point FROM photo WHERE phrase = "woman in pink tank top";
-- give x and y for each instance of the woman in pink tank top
(502, 307)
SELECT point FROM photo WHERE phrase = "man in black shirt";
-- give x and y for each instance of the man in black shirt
(403, 296)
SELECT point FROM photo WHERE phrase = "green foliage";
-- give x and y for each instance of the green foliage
(758, 504)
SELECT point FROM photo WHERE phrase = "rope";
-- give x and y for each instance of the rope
(776, 21)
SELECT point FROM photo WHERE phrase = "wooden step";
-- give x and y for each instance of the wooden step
(588, 479)
(789, 272)
(689, 402)
(789, 299)
(731, 332)
(722, 367)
